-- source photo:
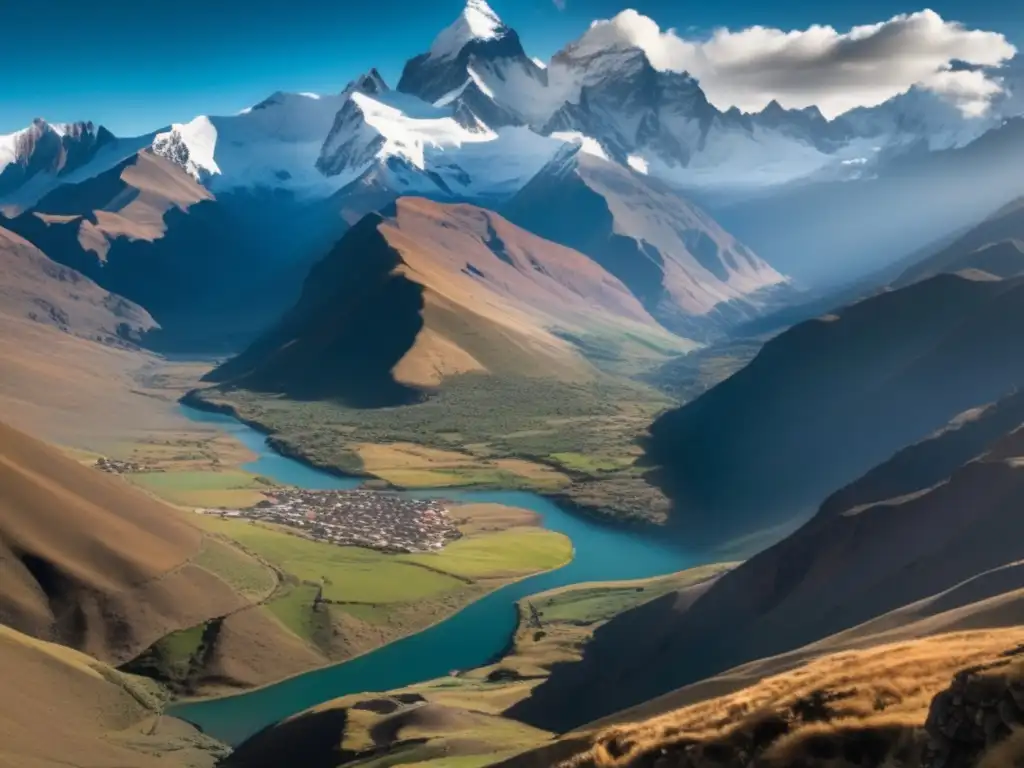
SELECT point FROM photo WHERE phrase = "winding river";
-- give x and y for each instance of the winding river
(472, 637)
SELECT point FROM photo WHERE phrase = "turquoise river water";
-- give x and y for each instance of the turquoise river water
(470, 638)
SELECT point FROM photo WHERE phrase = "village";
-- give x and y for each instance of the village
(379, 520)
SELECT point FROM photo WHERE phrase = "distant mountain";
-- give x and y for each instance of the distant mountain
(689, 273)
(37, 159)
(34, 287)
(828, 399)
(476, 119)
(479, 64)
(424, 292)
(213, 270)
(814, 230)
(995, 247)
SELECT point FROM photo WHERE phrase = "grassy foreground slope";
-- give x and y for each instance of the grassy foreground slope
(891, 704)
(62, 707)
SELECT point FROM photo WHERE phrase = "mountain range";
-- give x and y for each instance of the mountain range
(476, 119)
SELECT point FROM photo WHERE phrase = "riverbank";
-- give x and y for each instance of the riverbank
(619, 497)
(466, 640)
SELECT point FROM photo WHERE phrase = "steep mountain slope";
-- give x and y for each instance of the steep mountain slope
(36, 288)
(428, 291)
(83, 710)
(89, 562)
(688, 272)
(995, 246)
(479, 64)
(35, 160)
(942, 555)
(828, 399)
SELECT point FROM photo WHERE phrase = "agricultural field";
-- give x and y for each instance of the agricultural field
(203, 488)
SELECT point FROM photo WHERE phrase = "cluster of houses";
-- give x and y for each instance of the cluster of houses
(378, 520)
(115, 467)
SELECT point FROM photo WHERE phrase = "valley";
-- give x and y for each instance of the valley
(625, 393)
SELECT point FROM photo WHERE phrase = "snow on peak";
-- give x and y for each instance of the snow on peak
(476, 22)
(191, 146)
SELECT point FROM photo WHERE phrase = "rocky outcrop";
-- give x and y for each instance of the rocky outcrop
(981, 708)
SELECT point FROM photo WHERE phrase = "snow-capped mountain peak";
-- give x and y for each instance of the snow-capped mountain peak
(477, 21)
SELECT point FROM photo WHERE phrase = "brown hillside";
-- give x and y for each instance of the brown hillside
(130, 201)
(428, 291)
(950, 543)
(34, 287)
(89, 562)
(889, 705)
(62, 707)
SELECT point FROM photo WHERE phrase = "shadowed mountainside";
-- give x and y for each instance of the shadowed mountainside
(426, 291)
(995, 246)
(832, 397)
(946, 542)
(212, 271)
(90, 562)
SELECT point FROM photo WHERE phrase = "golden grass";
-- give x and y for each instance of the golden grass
(881, 692)
(412, 465)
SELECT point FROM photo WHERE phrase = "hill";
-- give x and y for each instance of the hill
(82, 709)
(942, 555)
(828, 399)
(692, 275)
(424, 292)
(894, 704)
(36, 288)
(91, 563)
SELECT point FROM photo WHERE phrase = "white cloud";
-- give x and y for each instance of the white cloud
(559, 4)
(819, 65)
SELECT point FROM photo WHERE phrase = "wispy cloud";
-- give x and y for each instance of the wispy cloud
(559, 4)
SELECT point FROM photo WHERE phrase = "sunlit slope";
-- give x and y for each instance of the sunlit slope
(426, 292)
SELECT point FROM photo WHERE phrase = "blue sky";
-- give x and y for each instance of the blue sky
(135, 66)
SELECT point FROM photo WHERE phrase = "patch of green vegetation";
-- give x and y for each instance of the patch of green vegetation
(294, 609)
(243, 572)
(592, 603)
(371, 614)
(520, 418)
(349, 574)
(515, 551)
(687, 377)
(179, 647)
(580, 462)
(230, 480)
